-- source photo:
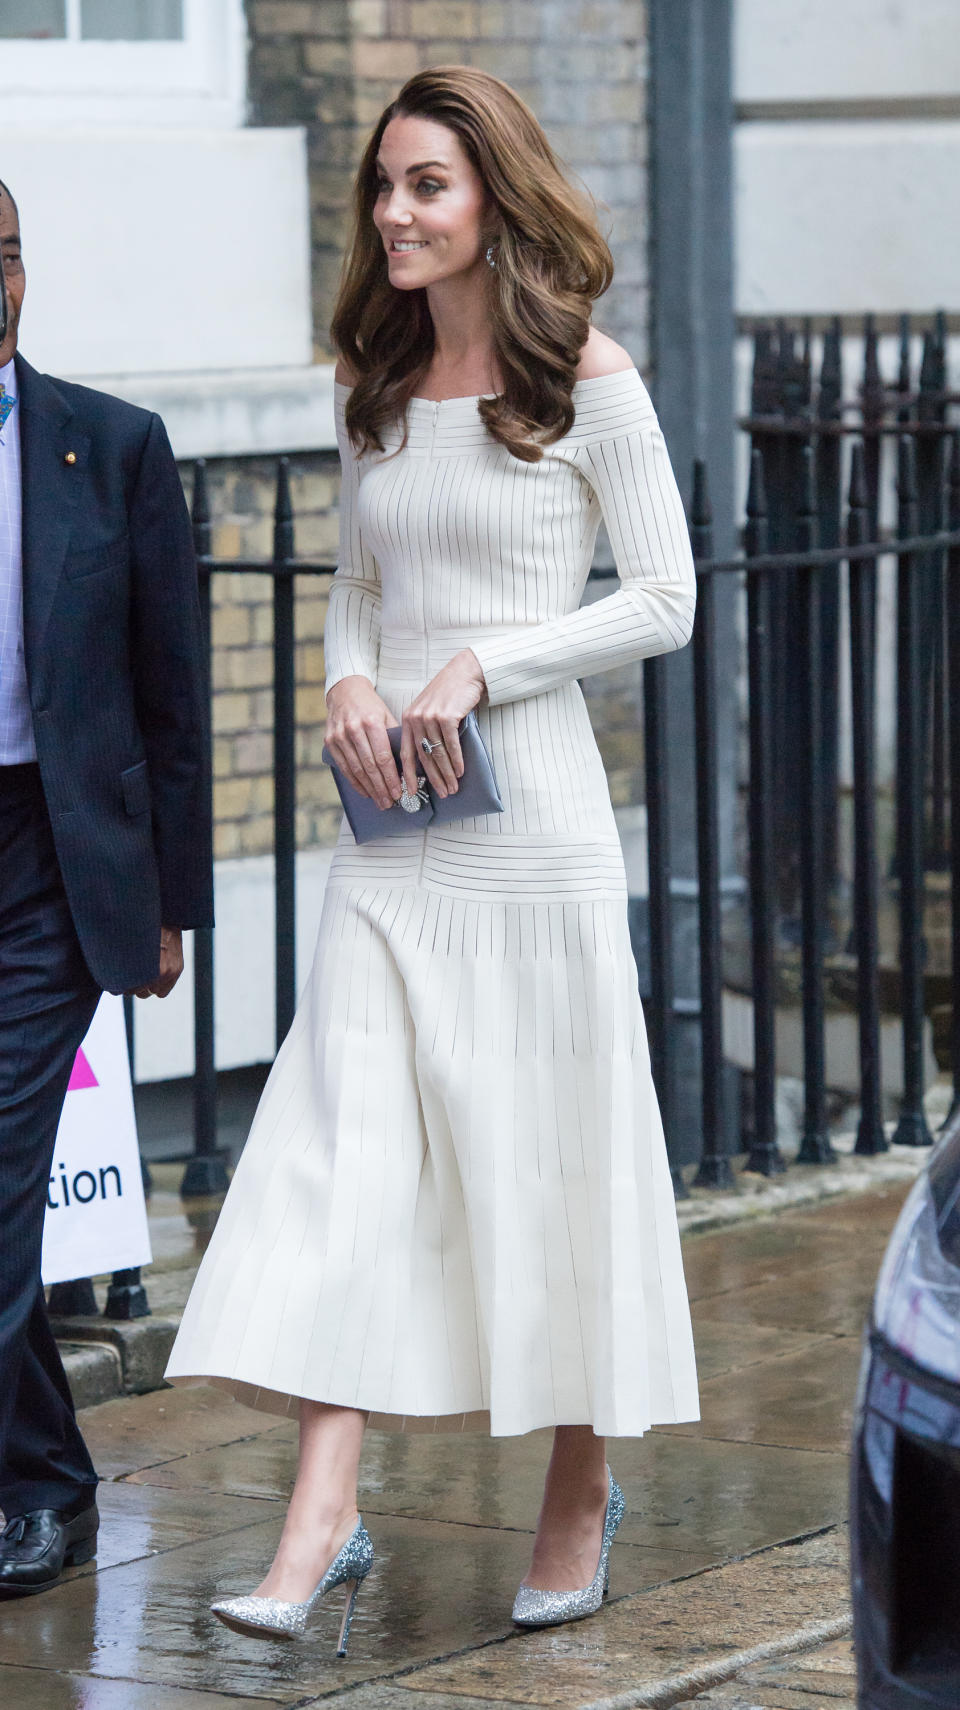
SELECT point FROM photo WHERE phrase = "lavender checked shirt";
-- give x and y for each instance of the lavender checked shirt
(16, 727)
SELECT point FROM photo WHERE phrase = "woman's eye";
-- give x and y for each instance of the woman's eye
(383, 185)
(429, 186)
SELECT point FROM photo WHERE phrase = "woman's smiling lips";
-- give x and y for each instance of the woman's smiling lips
(406, 246)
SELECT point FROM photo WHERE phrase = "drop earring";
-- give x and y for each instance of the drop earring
(491, 256)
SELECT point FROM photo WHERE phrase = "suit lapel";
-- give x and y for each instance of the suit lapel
(51, 488)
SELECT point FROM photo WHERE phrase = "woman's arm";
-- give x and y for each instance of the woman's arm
(621, 453)
(352, 632)
(357, 718)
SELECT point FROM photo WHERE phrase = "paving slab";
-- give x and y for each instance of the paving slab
(803, 1400)
(708, 1498)
(778, 1249)
(137, 1522)
(732, 1345)
(873, 1213)
(134, 1432)
(42, 1689)
(822, 1300)
(643, 1641)
(718, 1498)
(195, 1487)
(435, 1589)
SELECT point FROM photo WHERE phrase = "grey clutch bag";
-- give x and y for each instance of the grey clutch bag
(477, 793)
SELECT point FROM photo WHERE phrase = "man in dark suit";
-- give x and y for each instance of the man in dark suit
(104, 841)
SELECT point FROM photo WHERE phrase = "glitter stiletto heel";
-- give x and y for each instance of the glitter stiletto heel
(272, 1618)
(534, 1608)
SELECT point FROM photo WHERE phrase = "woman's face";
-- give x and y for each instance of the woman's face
(431, 204)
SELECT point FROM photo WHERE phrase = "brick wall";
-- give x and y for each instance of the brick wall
(332, 65)
(241, 504)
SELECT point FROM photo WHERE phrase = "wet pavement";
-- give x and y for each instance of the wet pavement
(733, 1539)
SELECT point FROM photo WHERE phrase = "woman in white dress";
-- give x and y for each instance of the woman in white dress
(454, 1209)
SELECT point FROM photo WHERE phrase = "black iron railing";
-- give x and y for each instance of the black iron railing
(812, 539)
(806, 565)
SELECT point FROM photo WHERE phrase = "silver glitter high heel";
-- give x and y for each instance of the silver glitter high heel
(535, 1608)
(271, 1618)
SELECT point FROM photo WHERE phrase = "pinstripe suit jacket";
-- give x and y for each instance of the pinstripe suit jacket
(114, 654)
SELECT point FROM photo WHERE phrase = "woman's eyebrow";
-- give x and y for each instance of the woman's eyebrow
(420, 167)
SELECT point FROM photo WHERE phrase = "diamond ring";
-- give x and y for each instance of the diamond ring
(428, 746)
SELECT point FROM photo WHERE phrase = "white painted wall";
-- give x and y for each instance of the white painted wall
(838, 217)
(817, 50)
(237, 411)
(162, 252)
(858, 209)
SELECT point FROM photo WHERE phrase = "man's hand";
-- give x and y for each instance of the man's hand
(171, 964)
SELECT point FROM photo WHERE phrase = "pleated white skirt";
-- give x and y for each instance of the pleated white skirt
(454, 1208)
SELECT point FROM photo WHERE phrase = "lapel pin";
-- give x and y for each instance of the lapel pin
(70, 457)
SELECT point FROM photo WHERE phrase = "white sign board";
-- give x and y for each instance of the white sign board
(96, 1217)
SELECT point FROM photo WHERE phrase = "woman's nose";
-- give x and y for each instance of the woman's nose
(396, 212)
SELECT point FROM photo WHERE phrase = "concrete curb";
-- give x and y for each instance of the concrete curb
(103, 1359)
(94, 1372)
(803, 1185)
(675, 1688)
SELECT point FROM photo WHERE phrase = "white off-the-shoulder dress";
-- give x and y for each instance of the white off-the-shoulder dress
(454, 1208)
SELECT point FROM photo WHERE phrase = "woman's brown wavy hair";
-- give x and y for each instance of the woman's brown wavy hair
(551, 262)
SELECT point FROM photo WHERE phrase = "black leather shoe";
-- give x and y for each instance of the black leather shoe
(35, 1548)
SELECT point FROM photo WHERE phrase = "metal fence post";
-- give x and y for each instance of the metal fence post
(928, 566)
(126, 1295)
(912, 1127)
(284, 738)
(73, 1299)
(662, 1031)
(862, 587)
(815, 1147)
(829, 504)
(904, 377)
(871, 412)
(206, 1171)
(953, 707)
(714, 1170)
(764, 1155)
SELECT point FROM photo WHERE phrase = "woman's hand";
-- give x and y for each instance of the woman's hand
(437, 714)
(357, 723)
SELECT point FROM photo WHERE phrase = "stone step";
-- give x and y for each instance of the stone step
(103, 1360)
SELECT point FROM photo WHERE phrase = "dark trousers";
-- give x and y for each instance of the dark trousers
(47, 1000)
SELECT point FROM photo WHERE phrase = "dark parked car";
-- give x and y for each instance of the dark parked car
(905, 1508)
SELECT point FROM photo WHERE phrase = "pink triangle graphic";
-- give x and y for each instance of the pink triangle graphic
(81, 1075)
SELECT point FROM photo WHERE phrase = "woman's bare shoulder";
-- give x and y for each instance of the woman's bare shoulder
(602, 355)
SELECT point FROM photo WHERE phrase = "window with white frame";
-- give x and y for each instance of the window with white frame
(92, 20)
(139, 62)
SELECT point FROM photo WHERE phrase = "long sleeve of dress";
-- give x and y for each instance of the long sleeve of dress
(352, 632)
(619, 450)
